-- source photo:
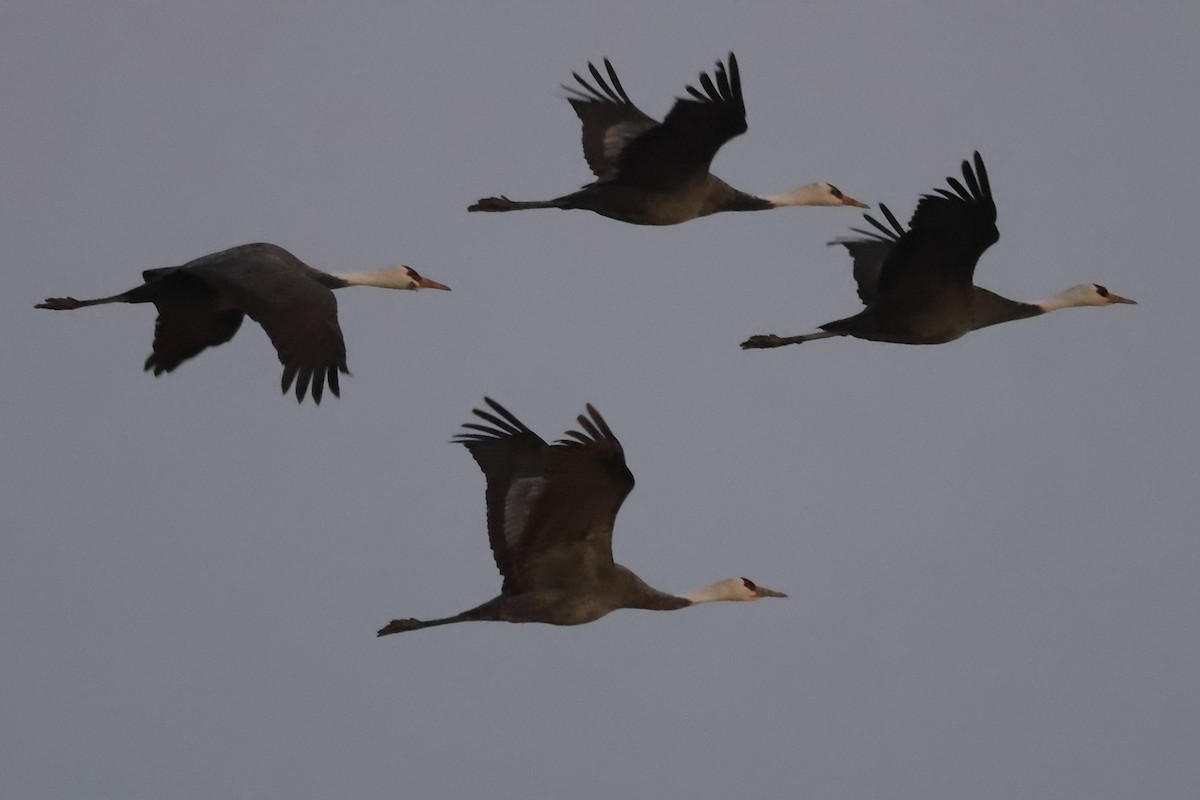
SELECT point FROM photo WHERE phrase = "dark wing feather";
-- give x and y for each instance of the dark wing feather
(681, 149)
(588, 482)
(550, 508)
(610, 119)
(947, 234)
(513, 460)
(870, 253)
(189, 319)
(285, 297)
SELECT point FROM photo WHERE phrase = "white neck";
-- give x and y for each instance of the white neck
(722, 590)
(814, 194)
(392, 278)
(1082, 295)
(1054, 304)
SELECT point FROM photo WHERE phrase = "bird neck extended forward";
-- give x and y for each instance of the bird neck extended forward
(394, 278)
(712, 594)
(1070, 298)
(814, 194)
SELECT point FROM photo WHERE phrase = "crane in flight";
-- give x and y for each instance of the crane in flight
(202, 304)
(550, 515)
(657, 173)
(918, 284)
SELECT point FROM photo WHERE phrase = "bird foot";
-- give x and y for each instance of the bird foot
(399, 626)
(59, 303)
(763, 341)
(500, 203)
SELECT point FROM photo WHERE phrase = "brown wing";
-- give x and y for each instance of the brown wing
(610, 120)
(551, 509)
(513, 460)
(587, 481)
(283, 295)
(947, 234)
(681, 149)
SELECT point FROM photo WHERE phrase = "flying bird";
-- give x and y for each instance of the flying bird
(550, 515)
(202, 303)
(656, 173)
(917, 283)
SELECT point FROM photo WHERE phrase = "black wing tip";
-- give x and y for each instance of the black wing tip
(302, 381)
(598, 419)
(729, 81)
(975, 175)
(974, 189)
(735, 77)
(152, 363)
(723, 86)
(312, 381)
(595, 430)
(982, 175)
(501, 424)
(332, 377)
(499, 409)
(605, 91)
(881, 233)
(887, 212)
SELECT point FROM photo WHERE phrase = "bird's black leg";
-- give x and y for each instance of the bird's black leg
(763, 341)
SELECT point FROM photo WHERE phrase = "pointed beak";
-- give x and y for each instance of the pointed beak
(847, 200)
(763, 591)
(1116, 298)
(426, 283)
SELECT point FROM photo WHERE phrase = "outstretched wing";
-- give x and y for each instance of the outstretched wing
(550, 508)
(610, 119)
(588, 482)
(870, 253)
(283, 295)
(513, 460)
(189, 319)
(681, 149)
(947, 234)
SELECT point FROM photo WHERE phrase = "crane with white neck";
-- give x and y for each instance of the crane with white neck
(918, 284)
(550, 515)
(202, 303)
(652, 173)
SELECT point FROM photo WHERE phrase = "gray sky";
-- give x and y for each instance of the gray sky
(989, 546)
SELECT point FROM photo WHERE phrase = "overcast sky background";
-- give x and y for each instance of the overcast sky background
(990, 546)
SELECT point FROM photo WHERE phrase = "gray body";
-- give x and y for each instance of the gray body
(651, 173)
(934, 318)
(640, 206)
(202, 303)
(917, 284)
(581, 599)
(550, 514)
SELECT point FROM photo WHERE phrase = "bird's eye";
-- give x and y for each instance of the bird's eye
(836, 192)
(749, 584)
(1101, 290)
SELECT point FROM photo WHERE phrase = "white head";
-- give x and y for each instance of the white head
(741, 589)
(1085, 294)
(392, 278)
(815, 194)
